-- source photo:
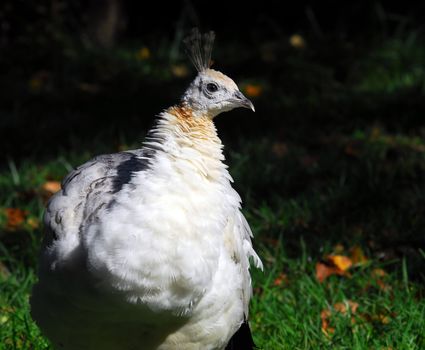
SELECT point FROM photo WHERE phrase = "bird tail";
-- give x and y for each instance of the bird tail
(242, 339)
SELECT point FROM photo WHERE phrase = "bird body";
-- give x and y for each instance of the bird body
(148, 249)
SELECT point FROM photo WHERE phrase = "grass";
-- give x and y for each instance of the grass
(333, 160)
(288, 300)
(290, 315)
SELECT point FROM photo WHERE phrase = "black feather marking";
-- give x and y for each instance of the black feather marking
(128, 167)
(242, 339)
(199, 48)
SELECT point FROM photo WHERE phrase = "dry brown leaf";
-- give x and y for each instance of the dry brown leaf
(338, 248)
(340, 261)
(33, 222)
(357, 255)
(352, 149)
(343, 307)
(253, 90)
(51, 186)
(353, 306)
(143, 54)
(381, 318)
(180, 70)
(15, 218)
(375, 133)
(35, 84)
(323, 271)
(335, 265)
(280, 149)
(326, 329)
(280, 280)
(38, 80)
(378, 273)
(382, 285)
(297, 41)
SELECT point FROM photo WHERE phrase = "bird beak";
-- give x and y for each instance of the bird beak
(242, 101)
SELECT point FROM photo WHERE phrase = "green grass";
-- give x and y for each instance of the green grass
(288, 316)
(283, 316)
(334, 156)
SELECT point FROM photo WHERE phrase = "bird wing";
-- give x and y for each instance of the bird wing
(85, 190)
(238, 241)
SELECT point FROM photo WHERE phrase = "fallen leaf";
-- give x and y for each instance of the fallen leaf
(382, 285)
(352, 149)
(143, 54)
(343, 307)
(381, 318)
(323, 271)
(51, 186)
(280, 149)
(375, 133)
(340, 261)
(340, 307)
(35, 84)
(252, 90)
(38, 81)
(33, 222)
(338, 248)
(334, 265)
(15, 218)
(378, 273)
(297, 41)
(179, 70)
(357, 255)
(324, 316)
(281, 279)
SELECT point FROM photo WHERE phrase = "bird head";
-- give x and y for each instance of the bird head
(212, 92)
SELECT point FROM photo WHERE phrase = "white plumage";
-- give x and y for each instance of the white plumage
(148, 249)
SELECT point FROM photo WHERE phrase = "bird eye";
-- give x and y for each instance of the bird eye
(211, 87)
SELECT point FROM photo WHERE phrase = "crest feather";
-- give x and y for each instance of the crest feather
(199, 47)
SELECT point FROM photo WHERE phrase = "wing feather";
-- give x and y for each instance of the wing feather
(85, 190)
(238, 240)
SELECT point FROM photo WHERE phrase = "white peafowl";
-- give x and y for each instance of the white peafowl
(148, 249)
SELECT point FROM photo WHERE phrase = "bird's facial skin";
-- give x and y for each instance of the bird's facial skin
(212, 93)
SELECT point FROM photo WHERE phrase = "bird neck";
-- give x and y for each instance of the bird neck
(191, 141)
(193, 125)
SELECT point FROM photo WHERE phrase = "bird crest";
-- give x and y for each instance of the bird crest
(199, 47)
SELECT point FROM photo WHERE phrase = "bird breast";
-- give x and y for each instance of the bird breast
(160, 243)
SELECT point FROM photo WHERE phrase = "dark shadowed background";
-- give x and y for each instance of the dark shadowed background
(333, 157)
